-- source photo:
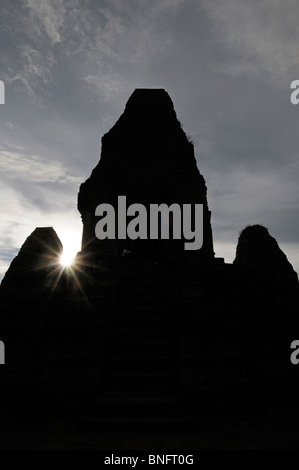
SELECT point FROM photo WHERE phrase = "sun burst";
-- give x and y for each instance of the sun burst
(70, 249)
(67, 259)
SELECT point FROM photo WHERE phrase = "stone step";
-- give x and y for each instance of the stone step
(150, 315)
(139, 321)
(147, 363)
(147, 294)
(134, 317)
(137, 286)
(55, 379)
(139, 346)
(149, 368)
(151, 398)
(143, 304)
(138, 335)
(147, 286)
(149, 291)
(146, 354)
(142, 307)
(54, 355)
(137, 423)
(133, 411)
(156, 307)
(141, 382)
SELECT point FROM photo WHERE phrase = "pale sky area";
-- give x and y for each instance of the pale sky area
(69, 67)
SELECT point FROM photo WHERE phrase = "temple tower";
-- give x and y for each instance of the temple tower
(147, 157)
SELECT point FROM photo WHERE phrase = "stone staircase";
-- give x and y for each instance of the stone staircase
(141, 383)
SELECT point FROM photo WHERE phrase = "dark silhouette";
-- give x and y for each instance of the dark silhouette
(147, 157)
(159, 339)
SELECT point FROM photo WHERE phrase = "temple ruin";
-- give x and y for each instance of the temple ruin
(165, 337)
(146, 157)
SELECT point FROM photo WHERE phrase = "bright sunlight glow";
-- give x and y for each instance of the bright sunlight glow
(71, 246)
(67, 258)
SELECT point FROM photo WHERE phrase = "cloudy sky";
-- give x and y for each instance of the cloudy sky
(69, 67)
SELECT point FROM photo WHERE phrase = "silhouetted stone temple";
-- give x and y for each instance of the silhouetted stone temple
(146, 157)
(165, 339)
(258, 251)
(30, 275)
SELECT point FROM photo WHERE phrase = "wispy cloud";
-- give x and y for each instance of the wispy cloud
(32, 71)
(127, 37)
(48, 16)
(105, 41)
(34, 169)
(97, 35)
(261, 36)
